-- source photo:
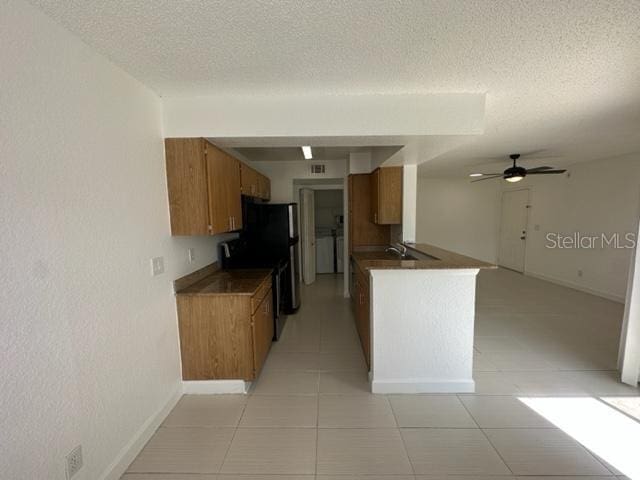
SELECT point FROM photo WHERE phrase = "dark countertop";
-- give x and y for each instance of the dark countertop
(440, 259)
(229, 282)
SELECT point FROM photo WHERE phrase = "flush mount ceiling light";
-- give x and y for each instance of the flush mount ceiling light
(306, 151)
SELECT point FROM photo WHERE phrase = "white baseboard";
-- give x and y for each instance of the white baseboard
(209, 387)
(565, 283)
(131, 450)
(411, 385)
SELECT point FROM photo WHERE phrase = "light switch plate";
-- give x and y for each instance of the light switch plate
(191, 253)
(157, 266)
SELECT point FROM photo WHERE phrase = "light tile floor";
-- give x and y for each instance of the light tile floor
(310, 414)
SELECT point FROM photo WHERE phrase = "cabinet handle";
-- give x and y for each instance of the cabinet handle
(266, 307)
(375, 218)
(230, 223)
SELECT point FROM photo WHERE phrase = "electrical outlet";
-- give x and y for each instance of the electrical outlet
(536, 227)
(74, 462)
(579, 273)
(191, 254)
(157, 266)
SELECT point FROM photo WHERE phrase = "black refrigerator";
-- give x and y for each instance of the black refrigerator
(271, 230)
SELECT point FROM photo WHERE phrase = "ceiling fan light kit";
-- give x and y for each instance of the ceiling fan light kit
(516, 173)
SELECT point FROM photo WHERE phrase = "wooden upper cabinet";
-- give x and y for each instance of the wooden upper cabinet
(362, 231)
(235, 193)
(254, 184)
(249, 179)
(205, 186)
(187, 186)
(264, 187)
(386, 196)
(225, 201)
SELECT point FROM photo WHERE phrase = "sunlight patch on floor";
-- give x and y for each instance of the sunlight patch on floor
(605, 431)
(628, 405)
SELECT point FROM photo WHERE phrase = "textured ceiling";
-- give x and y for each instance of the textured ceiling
(559, 75)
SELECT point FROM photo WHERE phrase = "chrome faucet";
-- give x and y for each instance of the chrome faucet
(398, 248)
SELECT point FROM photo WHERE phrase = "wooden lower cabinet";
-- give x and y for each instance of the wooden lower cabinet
(362, 313)
(262, 332)
(225, 336)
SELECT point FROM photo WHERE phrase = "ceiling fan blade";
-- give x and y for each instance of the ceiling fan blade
(538, 169)
(546, 172)
(497, 175)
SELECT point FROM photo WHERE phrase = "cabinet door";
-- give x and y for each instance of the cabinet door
(362, 231)
(248, 180)
(362, 314)
(262, 324)
(215, 337)
(219, 169)
(261, 186)
(266, 188)
(357, 303)
(389, 196)
(375, 196)
(225, 201)
(187, 186)
(234, 193)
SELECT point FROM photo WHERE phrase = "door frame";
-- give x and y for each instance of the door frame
(340, 184)
(529, 195)
(629, 348)
(306, 244)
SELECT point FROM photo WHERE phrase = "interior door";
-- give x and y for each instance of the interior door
(513, 229)
(308, 235)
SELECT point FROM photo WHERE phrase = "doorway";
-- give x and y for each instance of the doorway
(513, 229)
(321, 230)
(308, 235)
(329, 218)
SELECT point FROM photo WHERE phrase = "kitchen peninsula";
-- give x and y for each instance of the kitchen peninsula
(415, 316)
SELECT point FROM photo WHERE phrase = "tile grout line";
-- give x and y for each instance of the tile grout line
(485, 436)
(226, 453)
(404, 444)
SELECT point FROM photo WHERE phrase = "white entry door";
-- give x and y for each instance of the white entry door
(308, 235)
(513, 229)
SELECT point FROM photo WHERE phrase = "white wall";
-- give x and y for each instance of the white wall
(459, 216)
(422, 330)
(600, 196)
(327, 204)
(282, 175)
(88, 338)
